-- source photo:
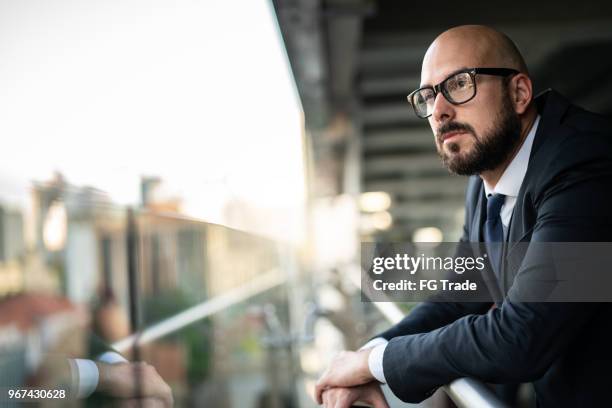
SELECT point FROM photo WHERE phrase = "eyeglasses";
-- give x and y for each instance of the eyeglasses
(458, 88)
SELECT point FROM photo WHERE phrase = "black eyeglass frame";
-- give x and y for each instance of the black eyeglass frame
(441, 88)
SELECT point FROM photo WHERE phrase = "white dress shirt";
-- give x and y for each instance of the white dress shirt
(509, 185)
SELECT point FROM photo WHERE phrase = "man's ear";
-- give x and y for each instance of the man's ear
(521, 92)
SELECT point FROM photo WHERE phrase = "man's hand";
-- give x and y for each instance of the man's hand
(348, 369)
(370, 394)
(134, 380)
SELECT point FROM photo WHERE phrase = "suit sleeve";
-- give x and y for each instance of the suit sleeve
(516, 342)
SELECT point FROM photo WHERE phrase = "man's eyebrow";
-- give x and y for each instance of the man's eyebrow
(448, 76)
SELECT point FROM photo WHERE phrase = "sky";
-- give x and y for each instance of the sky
(198, 93)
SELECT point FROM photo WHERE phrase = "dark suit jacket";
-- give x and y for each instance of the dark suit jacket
(563, 348)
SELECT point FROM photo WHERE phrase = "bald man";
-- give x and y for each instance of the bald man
(541, 170)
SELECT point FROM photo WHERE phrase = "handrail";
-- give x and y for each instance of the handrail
(471, 393)
(261, 283)
(465, 392)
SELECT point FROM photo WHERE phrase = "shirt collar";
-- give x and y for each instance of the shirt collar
(510, 182)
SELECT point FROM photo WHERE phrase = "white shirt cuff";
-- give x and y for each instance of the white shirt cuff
(376, 341)
(87, 376)
(375, 362)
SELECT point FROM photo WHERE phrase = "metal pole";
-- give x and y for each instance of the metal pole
(132, 264)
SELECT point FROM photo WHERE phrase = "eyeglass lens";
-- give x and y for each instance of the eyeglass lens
(457, 89)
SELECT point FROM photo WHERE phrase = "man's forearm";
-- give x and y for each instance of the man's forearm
(85, 374)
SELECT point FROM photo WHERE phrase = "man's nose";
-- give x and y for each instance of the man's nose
(443, 110)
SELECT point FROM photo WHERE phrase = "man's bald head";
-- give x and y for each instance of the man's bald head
(478, 117)
(471, 46)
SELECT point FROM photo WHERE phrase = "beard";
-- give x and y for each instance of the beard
(487, 152)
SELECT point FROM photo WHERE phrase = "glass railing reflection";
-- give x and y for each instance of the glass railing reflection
(195, 306)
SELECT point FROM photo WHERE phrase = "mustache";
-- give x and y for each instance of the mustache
(453, 127)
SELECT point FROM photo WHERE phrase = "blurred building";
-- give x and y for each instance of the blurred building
(73, 226)
(83, 237)
(12, 244)
(12, 249)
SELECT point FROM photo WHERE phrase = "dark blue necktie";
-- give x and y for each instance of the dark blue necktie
(494, 230)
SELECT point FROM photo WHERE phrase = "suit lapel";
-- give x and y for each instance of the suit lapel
(551, 106)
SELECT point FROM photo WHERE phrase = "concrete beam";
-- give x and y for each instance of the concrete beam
(397, 58)
(453, 186)
(408, 164)
(399, 139)
(444, 210)
(396, 84)
(395, 112)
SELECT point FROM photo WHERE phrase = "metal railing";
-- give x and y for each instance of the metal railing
(465, 392)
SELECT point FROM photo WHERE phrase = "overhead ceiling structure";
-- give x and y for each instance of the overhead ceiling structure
(354, 62)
